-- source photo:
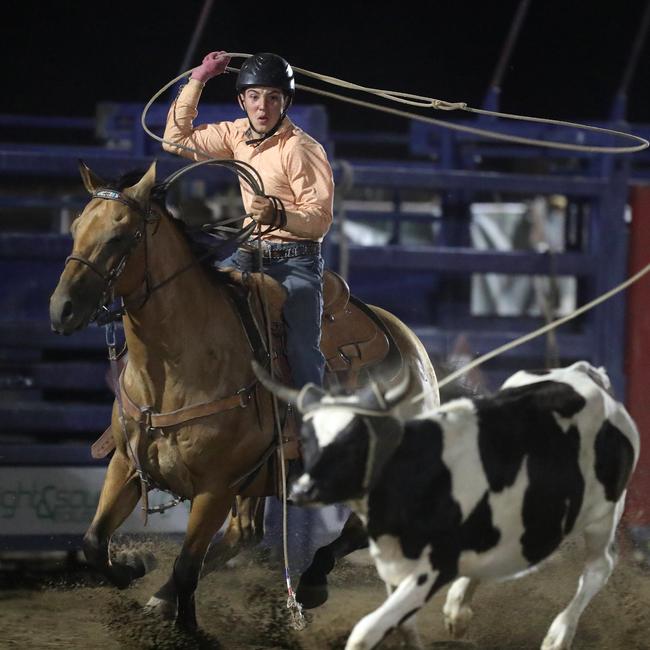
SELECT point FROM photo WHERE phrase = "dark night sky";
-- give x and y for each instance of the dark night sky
(62, 57)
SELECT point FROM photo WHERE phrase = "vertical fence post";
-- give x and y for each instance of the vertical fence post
(637, 355)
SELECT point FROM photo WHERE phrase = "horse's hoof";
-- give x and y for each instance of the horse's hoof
(137, 563)
(311, 596)
(159, 607)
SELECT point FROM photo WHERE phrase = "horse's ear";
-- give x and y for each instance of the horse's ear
(91, 181)
(140, 191)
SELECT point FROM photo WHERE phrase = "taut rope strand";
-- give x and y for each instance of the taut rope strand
(542, 330)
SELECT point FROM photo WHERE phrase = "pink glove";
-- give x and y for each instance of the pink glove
(212, 65)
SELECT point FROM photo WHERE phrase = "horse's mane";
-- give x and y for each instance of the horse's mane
(158, 197)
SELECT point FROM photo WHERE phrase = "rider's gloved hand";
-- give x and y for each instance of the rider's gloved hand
(213, 64)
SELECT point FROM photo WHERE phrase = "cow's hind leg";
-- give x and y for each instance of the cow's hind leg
(312, 588)
(245, 529)
(457, 609)
(120, 494)
(599, 538)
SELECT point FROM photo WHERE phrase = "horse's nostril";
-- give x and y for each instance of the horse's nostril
(66, 312)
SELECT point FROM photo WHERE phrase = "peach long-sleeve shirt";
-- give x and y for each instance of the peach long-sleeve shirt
(293, 166)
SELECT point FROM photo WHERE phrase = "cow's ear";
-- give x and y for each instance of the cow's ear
(388, 432)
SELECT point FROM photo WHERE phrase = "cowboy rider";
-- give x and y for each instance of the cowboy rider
(293, 166)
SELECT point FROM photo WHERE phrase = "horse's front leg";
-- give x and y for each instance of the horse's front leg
(120, 494)
(245, 529)
(206, 517)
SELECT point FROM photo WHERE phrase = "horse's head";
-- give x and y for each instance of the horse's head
(108, 258)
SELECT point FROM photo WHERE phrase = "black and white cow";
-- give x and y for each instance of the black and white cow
(482, 488)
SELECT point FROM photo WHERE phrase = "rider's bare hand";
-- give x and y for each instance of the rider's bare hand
(262, 210)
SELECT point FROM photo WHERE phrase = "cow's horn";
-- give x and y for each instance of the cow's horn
(395, 395)
(285, 393)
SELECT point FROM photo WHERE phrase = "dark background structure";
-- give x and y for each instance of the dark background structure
(62, 58)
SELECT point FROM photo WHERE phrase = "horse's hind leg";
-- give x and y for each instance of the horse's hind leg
(312, 588)
(120, 494)
(599, 538)
(245, 529)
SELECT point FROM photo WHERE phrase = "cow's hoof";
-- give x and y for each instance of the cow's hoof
(559, 637)
(457, 621)
(166, 609)
(311, 596)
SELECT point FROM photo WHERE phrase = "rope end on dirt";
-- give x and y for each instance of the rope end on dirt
(298, 621)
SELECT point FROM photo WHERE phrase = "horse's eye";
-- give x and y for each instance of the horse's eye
(117, 240)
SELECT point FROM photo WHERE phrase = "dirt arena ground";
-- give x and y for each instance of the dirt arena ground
(244, 608)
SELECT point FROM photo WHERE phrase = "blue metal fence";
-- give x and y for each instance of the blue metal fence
(54, 388)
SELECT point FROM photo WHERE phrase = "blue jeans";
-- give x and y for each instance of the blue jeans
(302, 279)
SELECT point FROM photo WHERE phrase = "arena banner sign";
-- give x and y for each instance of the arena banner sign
(53, 501)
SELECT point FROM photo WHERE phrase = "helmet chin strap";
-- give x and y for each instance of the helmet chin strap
(258, 141)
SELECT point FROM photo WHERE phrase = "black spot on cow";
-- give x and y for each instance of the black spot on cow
(414, 503)
(339, 468)
(614, 460)
(518, 425)
(422, 578)
(477, 532)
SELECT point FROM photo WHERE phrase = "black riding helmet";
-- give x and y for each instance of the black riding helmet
(270, 70)
(266, 69)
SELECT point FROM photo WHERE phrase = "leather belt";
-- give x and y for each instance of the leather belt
(283, 251)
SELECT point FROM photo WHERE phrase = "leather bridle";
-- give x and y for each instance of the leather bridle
(110, 276)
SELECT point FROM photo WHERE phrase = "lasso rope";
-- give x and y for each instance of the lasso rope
(542, 330)
(421, 101)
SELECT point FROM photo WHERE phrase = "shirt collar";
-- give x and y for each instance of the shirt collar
(249, 134)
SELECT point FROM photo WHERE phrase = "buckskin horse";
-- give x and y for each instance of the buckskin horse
(196, 421)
